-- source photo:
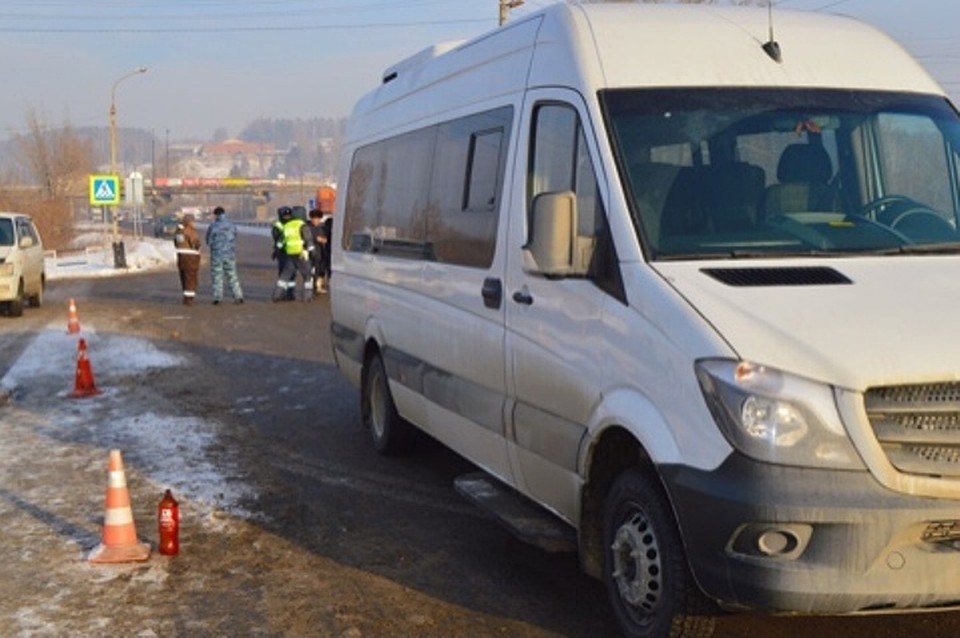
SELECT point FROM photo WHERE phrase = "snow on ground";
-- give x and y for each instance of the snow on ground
(93, 257)
(91, 254)
(180, 446)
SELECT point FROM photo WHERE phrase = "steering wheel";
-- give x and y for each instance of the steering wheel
(873, 209)
(923, 224)
(909, 217)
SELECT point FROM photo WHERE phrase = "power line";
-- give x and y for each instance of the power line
(279, 15)
(227, 29)
(831, 5)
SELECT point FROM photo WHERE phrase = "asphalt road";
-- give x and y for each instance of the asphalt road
(291, 427)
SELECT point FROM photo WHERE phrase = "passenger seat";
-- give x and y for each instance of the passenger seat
(804, 173)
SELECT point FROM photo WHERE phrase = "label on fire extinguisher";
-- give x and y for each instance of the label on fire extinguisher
(168, 518)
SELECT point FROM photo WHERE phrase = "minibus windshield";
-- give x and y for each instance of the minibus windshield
(756, 173)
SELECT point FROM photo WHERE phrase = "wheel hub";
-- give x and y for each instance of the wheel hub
(636, 564)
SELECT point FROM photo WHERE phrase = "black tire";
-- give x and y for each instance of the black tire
(391, 434)
(645, 569)
(16, 304)
(37, 300)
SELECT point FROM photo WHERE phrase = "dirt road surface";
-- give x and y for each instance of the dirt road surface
(292, 525)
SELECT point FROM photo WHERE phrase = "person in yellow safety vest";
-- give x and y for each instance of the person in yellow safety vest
(296, 245)
(276, 233)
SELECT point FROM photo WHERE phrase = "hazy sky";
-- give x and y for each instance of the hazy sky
(222, 63)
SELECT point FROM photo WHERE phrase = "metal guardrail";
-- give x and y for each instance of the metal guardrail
(71, 258)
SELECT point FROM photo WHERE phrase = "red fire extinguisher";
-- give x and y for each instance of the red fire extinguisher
(168, 515)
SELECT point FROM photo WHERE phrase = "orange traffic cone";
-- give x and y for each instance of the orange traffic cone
(83, 385)
(119, 542)
(73, 321)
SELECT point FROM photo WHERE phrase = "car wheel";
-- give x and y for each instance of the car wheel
(649, 584)
(37, 300)
(391, 434)
(16, 304)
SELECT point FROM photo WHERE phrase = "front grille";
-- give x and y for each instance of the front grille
(918, 426)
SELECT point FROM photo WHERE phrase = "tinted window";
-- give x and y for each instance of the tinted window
(740, 173)
(483, 169)
(431, 194)
(6, 232)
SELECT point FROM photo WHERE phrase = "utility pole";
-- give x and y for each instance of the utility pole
(505, 6)
(119, 255)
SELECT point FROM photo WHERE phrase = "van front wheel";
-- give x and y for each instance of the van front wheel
(391, 434)
(645, 570)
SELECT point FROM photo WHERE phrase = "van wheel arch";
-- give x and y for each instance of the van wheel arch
(648, 579)
(614, 452)
(620, 474)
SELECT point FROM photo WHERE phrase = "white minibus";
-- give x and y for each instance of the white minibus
(684, 279)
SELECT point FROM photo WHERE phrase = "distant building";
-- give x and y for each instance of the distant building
(232, 158)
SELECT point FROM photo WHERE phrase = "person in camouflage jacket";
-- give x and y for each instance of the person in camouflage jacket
(222, 238)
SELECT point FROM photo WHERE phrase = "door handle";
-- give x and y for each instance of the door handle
(523, 297)
(492, 293)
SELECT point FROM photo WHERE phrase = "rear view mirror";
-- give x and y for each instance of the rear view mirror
(26, 241)
(552, 233)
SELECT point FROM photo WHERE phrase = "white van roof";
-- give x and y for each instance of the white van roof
(705, 45)
(594, 46)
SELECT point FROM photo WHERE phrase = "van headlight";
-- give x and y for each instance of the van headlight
(774, 416)
(6, 270)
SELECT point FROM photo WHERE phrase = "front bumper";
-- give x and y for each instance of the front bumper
(786, 539)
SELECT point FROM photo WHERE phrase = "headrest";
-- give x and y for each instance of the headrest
(804, 163)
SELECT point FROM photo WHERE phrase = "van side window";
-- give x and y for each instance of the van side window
(432, 193)
(387, 197)
(468, 169)
(560, 161)
(482, 170)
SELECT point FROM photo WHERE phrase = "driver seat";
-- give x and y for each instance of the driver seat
(803, 173)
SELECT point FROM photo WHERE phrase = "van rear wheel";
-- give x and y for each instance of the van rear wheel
(391, 434)
(645, 568)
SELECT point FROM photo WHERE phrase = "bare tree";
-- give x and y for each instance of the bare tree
(57, 159)
(58, 163)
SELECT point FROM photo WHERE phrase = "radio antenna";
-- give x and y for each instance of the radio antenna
(771, 47)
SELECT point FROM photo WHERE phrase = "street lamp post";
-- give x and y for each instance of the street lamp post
(119, 256)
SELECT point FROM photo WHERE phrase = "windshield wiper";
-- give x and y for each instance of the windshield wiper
(752, 254)
(938, 248)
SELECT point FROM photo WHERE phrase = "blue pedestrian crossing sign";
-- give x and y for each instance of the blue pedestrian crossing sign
(104, 190)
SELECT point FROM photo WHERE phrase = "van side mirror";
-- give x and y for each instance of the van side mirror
(553, 230)
(26, 241)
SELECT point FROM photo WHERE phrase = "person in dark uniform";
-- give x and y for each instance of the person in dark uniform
(320, 259)
(325, 256)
